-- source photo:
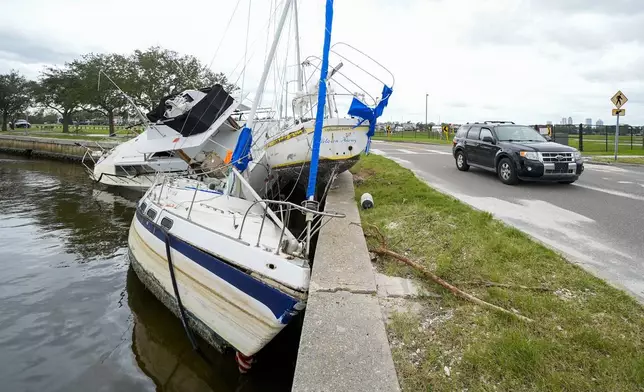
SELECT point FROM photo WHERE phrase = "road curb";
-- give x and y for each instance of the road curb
(344, 344)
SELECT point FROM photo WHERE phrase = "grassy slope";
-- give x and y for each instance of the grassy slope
(631, 160)
(587, 335)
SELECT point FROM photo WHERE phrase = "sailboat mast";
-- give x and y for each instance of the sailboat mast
(267, 66)
(300, 79)
(319, 119)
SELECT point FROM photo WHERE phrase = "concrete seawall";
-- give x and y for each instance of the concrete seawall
(344, 345)
(49, 148)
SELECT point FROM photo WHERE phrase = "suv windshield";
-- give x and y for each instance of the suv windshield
(517, 133)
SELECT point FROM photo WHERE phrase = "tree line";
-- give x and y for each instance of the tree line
(89, 85)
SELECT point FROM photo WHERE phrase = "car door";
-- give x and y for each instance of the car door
(472, 144)
(486, 150)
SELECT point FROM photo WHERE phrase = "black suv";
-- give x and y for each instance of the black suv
(515, 152)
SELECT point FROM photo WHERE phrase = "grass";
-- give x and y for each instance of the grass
(629, 160)
(587, 335)
(413, 137)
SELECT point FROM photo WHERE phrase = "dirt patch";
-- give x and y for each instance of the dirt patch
(362, 175)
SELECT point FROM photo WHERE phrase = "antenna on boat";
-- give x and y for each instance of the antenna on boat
(300, 79)
(100, 71)
(310, 201)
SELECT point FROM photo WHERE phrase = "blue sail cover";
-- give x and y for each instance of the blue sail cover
(241, 155)
(360, 110)
(319, 119)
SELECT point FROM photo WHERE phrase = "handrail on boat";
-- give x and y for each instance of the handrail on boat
(290, 207)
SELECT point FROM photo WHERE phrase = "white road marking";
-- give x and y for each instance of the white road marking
(399, 161)
(438, 152)
(377, 152)
(611, 192)
(605, 169)
(377, 141)
(407, 151)
(624, 182)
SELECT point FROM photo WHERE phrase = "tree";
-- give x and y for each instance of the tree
(15, 95)
(98, 93)
(160, 72)
(60, 89)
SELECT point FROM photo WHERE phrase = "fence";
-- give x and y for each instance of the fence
(598, 139)
(434, 134)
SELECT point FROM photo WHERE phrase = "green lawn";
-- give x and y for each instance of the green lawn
(414, 137)
(81, 129)
(597, 144)
(587, 335)
(629, 160)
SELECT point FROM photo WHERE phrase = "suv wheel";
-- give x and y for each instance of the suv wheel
(507, 172)
(567, 182)
(461, 162)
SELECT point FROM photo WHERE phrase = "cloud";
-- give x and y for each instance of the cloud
(29, 49)
(529, 61)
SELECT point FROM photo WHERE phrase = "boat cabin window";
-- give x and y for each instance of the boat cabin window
(167, 223)
(133, 170)
(151, 213)
(162, 154)
(143, 207)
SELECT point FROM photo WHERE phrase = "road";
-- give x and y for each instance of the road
(598, 222)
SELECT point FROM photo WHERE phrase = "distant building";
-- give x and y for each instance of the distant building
(600, 123)
(589, 121)
(563, 121)
(569, 120)
(548, 122)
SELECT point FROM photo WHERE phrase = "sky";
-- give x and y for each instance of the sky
(529, 61)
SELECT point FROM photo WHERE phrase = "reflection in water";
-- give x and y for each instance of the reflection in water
(74, 317)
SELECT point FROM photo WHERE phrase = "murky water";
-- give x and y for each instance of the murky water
(74, 317)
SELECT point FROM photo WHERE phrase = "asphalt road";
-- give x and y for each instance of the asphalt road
(598, 222)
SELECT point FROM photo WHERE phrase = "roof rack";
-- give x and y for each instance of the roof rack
(498, 122)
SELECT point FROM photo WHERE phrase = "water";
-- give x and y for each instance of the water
(74, 316)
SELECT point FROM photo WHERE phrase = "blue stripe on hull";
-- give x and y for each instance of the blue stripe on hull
(281, 304)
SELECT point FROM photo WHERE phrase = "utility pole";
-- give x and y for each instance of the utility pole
(426, 97)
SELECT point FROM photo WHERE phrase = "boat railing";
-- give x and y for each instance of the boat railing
(285, 209)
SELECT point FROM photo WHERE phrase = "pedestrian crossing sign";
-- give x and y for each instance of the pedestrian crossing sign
(619, 99)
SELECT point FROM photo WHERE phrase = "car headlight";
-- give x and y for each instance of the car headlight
(577, 155)
(532, 155)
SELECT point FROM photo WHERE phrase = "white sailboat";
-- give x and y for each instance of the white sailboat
(221, 257)
(344, 138)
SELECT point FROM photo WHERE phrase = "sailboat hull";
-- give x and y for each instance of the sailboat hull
(225, 305)
(342, 143)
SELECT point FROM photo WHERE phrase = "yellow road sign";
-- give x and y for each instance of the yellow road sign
(619, 99)
(445, 128)
(621, 112)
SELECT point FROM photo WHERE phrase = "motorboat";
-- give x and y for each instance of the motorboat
(184, 130)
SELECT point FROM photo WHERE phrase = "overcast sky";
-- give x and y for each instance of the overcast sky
(525, 60)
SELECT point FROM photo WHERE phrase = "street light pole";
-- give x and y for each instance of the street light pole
(426, 96)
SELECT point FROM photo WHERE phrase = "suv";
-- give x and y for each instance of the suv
(515, 152)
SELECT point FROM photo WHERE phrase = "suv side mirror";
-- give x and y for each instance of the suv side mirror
(488, 139)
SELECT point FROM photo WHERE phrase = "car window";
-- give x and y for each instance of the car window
(518, 133)
(462, 131)
(485, 132)
(474, 133)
